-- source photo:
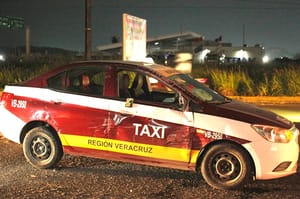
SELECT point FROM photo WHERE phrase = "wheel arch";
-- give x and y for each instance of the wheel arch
(208, 146)
(34, 124)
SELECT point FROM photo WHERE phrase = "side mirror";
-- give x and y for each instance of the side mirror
(129, 102)
(183, 102)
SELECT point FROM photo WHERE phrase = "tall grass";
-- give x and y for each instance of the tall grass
(232, 82)
(17, 69)
(252, 81)
(290, 79)
(16, 75)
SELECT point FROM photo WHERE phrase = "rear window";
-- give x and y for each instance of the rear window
(88, 80)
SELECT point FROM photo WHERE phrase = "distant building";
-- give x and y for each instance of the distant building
(216, 51)
(164, 49)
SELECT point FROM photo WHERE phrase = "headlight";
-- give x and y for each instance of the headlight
(273, 134)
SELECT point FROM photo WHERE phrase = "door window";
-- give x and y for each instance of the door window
(58, 82)
(146, 89)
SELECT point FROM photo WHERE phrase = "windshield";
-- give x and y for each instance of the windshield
(198, 89)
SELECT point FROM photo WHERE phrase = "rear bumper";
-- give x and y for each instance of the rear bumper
(10, 125)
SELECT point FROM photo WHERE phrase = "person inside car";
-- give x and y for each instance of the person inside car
(123, 86)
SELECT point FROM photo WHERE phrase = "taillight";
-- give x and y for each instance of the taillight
(5, 98)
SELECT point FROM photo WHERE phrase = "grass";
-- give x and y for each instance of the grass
(252, 80)
(17, 69)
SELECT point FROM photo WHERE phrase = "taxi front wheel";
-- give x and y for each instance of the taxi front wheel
(42, 148)
(226, 166)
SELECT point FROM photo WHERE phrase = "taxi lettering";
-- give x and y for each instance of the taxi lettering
(149, 130)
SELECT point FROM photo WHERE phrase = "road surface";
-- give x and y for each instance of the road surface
(289, 111)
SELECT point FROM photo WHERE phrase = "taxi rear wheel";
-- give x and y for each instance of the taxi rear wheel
(226, 166)
(42, 148)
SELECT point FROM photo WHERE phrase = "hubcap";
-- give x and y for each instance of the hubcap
(227, 167)
(40, 148)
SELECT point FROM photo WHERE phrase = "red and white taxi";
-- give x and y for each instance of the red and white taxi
(148, 114)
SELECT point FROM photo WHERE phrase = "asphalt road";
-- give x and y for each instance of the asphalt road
(79, 177)
(290, 111)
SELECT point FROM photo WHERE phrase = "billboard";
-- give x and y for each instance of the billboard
(134, 38)
(13, 23)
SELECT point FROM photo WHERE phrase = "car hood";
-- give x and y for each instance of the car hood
(247, 113)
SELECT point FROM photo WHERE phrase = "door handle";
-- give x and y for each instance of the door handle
(57, 102)
(125, 113)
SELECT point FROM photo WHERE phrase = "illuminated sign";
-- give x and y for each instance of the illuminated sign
(134, 38)
(12, 23)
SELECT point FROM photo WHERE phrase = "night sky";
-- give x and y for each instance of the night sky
(275, 24)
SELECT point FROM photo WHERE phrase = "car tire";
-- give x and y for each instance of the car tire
(42, 148)
(226, 166)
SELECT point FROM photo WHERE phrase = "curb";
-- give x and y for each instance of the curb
(264, 100)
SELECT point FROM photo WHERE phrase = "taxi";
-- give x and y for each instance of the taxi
(147, 114)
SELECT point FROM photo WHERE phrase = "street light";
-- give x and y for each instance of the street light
(2, 58)
(265, 59)
(242, 54)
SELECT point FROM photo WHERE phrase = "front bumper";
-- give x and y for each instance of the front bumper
(274, 160)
